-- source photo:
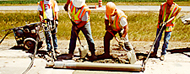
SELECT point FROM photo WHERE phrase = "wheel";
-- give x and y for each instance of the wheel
(29, 45)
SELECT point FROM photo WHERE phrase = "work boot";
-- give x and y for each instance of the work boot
(67, 57)
(92, 58)
(153, 55)
(49, 53)
(162, 58)
(104, 56)
(56, 52)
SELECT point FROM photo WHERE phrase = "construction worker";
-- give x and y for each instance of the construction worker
(168, 10)
(115, 22)
(48, 9)
(80, 18)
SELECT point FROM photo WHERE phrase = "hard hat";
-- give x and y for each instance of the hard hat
(78, 3)
(110, 8)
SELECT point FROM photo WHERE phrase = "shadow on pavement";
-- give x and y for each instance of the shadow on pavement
(28, 51)
(185, 51)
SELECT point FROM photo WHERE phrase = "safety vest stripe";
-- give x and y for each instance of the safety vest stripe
(71, 7)
(164, 17)
(109, 18)
(81, 12)
(114, 25)
(176, 10)
(43, 9)
(117, 24)
(119, 19)
(171, 12)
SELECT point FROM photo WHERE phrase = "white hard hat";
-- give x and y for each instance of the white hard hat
(78, 3)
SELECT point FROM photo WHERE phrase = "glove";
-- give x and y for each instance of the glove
(66, 7)
(108, 28)
(162, 24)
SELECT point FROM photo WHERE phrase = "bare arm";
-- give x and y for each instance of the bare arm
(66, 5)
(125, 31)
(41, 15)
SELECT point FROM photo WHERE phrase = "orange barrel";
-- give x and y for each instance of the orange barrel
(100, 3)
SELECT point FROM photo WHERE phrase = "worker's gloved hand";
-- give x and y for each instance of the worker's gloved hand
(66, 7)
(162, 24)
(108, 28)
(122, 41)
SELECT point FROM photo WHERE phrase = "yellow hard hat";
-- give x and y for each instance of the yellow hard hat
(78, 3)
(110, 8)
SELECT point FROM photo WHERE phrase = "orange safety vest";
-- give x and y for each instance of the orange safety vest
(116, 26)
(43, 9)
(77, 16)
(170, 25)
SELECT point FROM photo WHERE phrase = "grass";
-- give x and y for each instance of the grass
(142, 25)
(180, 3)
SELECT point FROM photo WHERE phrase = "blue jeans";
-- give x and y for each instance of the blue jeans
(48, 35)
(86, 29)
(166, 41)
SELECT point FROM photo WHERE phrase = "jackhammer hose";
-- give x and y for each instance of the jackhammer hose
(32, 59)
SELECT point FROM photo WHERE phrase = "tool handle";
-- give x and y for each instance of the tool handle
(75, 31)
(117, 40)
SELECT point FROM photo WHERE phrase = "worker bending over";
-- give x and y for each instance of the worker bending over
(115, 22)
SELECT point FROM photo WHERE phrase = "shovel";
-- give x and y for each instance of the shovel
(130, 54)
(82, 50)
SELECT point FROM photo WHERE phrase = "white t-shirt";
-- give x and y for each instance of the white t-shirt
(123, 20)
(48, 9)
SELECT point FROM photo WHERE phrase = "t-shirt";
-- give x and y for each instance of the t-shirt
(48, 9)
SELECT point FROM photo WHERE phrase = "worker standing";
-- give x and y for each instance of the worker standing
(48, 10)
(115, 22)
(168, 10)
(80, 18)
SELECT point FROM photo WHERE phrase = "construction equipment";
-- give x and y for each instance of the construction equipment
(44, 27)
(130, 54)
(27, 35)
(48, 26)
(31, 37)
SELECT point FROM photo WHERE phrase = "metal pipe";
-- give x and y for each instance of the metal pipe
(98, 66)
